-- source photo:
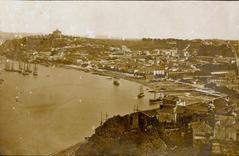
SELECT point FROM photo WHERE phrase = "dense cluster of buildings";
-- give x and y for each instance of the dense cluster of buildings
(214, 124)
(183, 64)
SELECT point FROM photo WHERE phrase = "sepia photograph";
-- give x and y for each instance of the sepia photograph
(119, 78)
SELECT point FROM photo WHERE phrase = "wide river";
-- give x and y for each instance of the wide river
(58, 108)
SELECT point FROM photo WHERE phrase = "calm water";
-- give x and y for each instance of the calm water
(58, 108)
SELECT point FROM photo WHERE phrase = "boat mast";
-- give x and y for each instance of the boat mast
(141, 90)
(19, 65)
(106, 116)
(6, 65)
(137, 107)
(12, 68)
(27, 66)
(101, 122)
(35, 68)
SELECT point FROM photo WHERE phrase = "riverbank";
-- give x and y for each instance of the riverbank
(151, 84)
(111, 74)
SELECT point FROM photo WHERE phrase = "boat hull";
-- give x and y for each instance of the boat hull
(116, 83)
(140, 96)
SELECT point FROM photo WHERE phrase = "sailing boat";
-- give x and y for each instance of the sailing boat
(141, 92)
(7, 66)
(35, 70)
(19, 67)
(116, 82)
(28, 68)
(12, 67)
(24, 72)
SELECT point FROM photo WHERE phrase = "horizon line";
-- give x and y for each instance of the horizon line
(116, 37)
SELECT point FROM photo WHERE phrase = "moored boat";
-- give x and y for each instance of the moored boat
(35, 70)
(116, 83)
(7, 66)
(24, 71)
(141, 92)
(28, 70)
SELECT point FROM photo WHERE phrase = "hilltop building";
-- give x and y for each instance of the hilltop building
(57, 34)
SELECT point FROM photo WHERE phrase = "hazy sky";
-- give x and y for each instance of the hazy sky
(124, 19)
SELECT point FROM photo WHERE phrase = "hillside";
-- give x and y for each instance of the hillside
(21, 47)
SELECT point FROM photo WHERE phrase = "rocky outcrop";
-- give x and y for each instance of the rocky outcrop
(115, 138)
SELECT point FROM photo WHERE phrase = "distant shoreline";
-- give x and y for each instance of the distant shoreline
(112, 74)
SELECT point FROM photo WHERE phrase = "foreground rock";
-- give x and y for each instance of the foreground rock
(117, 137)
